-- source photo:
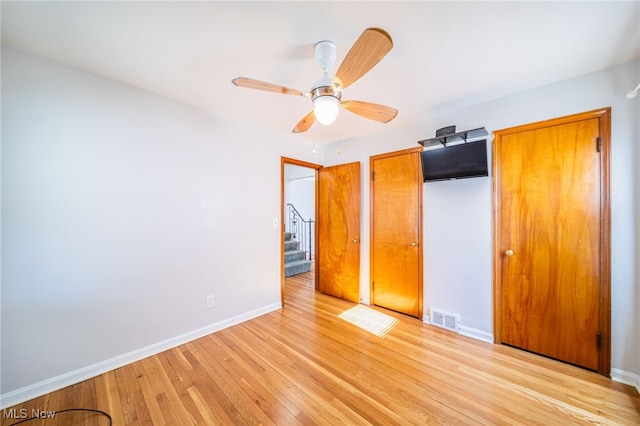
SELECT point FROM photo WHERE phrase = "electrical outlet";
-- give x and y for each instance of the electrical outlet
(210, 301)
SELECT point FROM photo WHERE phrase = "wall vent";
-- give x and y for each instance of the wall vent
(445, 320)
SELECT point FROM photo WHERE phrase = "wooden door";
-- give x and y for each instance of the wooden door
(551, 238)
(396, 231)
(338, 206)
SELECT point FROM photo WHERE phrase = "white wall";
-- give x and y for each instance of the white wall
(300, 189)
(121, 211)
(457, 214)
(303, 197)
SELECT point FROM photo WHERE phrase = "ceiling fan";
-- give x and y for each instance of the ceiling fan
(326, 93)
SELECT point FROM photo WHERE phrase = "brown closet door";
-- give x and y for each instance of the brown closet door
(396, 231)
(338, 260)
(550, 239)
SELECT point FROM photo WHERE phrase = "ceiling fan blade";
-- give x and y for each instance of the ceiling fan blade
(306, 122)
(250, 83)
(372, 45)
(376, 112)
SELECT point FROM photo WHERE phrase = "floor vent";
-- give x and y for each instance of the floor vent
(445, 320)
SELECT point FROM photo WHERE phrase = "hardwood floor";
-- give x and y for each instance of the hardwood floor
(304, 365)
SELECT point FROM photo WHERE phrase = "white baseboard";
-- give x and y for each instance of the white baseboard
(625, 377)
(55, 383)
(476, 334)
(468, 331)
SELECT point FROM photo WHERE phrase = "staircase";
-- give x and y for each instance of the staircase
(295, 260)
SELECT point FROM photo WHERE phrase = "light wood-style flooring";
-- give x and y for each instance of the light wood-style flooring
(303, 365)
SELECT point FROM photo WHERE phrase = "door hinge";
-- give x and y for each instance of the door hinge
(373, 175)
(373, 285)
(598, 339)
(598, 144)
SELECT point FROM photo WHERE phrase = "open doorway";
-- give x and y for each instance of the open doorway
(298, 219)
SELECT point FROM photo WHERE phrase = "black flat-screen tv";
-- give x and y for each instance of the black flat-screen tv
(455, 162)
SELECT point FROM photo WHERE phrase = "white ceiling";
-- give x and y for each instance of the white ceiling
(446, 54)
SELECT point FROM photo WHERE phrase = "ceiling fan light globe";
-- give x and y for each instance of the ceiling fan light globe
(326, 109)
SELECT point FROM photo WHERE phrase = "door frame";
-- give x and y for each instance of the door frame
(604, 320)
(420, 238)
(284, 161)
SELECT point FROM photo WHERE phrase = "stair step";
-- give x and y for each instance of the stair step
(294, 255)
(290, 245)
(287, 236)
(297, 267)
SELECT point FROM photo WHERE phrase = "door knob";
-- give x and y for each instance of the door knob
(354, 241)
(509, 252)
(412, 244)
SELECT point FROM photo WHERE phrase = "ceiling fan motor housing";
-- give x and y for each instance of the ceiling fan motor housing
(326, 57)
(330, 89)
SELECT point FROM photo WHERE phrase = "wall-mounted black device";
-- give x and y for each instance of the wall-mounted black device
(455, 155)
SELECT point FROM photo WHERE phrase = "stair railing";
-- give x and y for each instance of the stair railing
(301, 229)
